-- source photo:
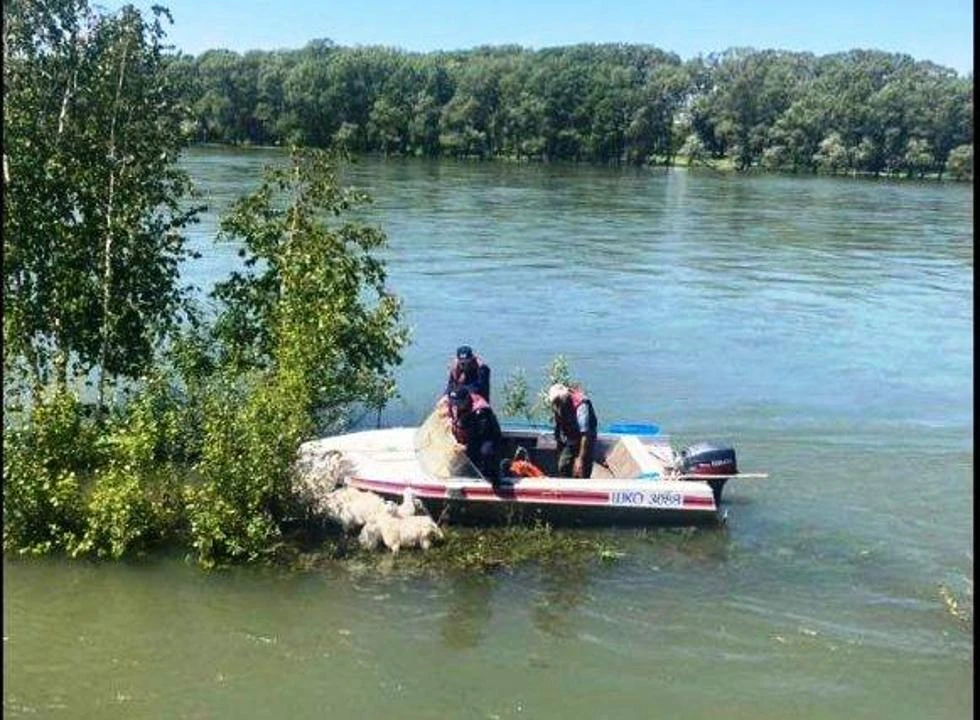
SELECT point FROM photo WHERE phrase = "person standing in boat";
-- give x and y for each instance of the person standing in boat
(475, 426)
(576, 427)
(467, 370)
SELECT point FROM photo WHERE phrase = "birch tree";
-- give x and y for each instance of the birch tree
(94, 201)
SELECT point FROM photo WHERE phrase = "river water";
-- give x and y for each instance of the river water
(823, 326)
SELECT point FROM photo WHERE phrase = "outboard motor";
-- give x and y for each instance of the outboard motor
(706, 458)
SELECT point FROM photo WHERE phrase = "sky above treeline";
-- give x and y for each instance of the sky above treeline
(936, 30)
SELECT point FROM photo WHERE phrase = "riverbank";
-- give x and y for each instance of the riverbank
(724, 164)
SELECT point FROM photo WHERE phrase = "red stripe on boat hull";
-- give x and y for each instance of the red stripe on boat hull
(585, 498)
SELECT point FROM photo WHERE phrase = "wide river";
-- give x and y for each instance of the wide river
(823, 326)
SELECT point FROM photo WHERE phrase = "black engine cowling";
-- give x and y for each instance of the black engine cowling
(706, 458)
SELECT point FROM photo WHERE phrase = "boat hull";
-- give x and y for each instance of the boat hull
(510, 512)
(386, 462)
(557, 501)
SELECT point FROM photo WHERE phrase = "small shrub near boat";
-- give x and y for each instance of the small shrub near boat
(245, 494)
(73, 485)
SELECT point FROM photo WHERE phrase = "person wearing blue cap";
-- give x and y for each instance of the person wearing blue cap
(467, 370)
(475, 426)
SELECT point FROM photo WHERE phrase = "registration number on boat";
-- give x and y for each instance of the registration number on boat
(647, 498)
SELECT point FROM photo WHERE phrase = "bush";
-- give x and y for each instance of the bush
(120, 518)
(960, 162)
(518, 403)
(136, 497)
(203, 450)
(74, 486)
(43, 464)
(159, 425)
(245, 495)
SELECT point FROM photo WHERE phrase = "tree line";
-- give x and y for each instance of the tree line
(863, 111)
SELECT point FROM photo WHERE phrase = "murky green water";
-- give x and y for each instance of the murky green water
(825, 326)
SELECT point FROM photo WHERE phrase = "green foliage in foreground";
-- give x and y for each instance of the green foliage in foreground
(200, 453)
(306, 334)
(312, 304)
(244, 491)
(74, 486)
(43, 463)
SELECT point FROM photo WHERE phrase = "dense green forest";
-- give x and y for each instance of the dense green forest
(860, 111)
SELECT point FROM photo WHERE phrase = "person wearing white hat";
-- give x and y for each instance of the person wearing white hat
(576, 426)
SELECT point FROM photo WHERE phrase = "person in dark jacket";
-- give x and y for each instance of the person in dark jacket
(467, 370)
(475, 426)
(576, 427)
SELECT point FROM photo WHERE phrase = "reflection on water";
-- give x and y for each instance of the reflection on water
(469, 611)
(563, 589)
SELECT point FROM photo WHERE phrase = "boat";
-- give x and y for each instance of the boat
(638, 477)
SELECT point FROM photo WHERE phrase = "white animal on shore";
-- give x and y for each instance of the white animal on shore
(352, 508)
(397, 532)
(370, 534)
(411, 505)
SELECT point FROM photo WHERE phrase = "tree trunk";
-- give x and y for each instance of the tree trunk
(60, 360)
(107, 251)
(63, 115)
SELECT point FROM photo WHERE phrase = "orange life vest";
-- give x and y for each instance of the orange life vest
(525, 468)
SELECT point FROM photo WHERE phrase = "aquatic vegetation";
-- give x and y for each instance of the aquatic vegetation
(486, 549)
(470, 550)
(952, 606)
